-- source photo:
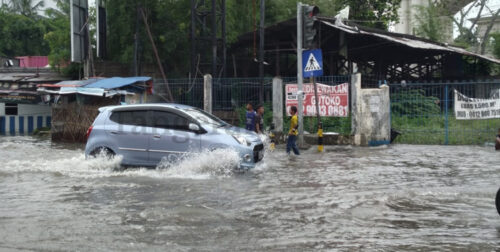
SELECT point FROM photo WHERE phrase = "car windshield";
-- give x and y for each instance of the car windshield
(205, 117)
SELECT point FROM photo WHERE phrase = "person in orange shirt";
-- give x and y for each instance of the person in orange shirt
(293, 132)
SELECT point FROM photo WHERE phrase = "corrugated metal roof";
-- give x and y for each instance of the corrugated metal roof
(30, 77)
(117, 82)
(71, 83)
(405, 40)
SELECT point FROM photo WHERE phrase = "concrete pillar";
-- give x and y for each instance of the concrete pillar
(371, 122)
(207, 93)
(278, 104)
(2, 109)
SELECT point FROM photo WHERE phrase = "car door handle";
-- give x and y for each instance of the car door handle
(157, 136)
(114, 132)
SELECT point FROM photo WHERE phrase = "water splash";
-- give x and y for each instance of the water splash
(72, 163)
(216, 163)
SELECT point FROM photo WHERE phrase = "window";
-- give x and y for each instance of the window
(168, 120)
(130, 117)
(205, 117)
(11, 109)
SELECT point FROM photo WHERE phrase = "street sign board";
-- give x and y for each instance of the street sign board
(333, 101)
(312, 63)
(78, 22)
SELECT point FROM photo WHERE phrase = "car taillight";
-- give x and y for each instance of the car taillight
(89, 131)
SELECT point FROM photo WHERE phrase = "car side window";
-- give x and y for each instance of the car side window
(137, 118)
(169, 120)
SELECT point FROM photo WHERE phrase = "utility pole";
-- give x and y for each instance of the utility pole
(136, 42)
(214, 40)
(300, 80)
(261, 49)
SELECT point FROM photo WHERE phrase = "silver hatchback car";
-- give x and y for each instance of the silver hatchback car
(146, 134)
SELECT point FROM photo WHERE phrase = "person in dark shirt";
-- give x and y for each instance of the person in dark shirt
(497, 141)
(250, 118)
(259, 120)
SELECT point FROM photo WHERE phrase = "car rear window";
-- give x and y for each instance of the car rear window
(130, 117)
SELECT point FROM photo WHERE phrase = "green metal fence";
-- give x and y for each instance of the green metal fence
(424, 113)
(232, 94)
(227, 93)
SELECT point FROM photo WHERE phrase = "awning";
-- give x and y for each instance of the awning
(84, 91)
(117, 82)
(71, 83)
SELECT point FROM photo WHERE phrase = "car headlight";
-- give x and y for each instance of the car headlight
(241, 139)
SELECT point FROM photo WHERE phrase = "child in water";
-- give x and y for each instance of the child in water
(293, 132)
(250, 118)
(497, 141)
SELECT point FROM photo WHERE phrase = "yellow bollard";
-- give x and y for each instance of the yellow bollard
(320, 139)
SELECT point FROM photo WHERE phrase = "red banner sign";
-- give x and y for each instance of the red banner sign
(333, 100)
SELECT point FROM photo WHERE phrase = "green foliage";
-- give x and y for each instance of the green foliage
(59, 37)
(169, 24)
(28, 8)
(59, 40)
(375, 13)
(21, 35)
(24, 32)
(432, 130)
(430, 22)
(414, 103)
(496, 44)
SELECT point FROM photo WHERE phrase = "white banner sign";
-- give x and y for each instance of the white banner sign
(472, 108)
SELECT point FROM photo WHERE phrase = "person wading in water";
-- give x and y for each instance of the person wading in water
(250, 118)
(293, 132)
(259, 120)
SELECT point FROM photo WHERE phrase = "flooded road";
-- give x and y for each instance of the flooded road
(402, 197)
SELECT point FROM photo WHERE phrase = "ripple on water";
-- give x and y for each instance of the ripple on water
(392, 198)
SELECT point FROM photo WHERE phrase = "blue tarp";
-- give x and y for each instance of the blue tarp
(117, 82)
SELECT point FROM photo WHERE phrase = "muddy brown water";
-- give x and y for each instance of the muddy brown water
(396, 198)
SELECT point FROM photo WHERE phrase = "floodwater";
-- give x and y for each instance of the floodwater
(402, 197)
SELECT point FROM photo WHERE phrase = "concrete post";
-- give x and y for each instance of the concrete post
(207, 93)
(278, 104)
(371, 124)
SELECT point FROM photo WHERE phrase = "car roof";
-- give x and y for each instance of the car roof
(147, 106)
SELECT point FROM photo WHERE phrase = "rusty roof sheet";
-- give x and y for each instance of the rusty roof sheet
(405, 40)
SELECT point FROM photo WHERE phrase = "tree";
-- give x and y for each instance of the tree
(375, 13)
(21, 35)
(59, 40)
(28, 8)
(169, 22)
(431, 22)
(468, 33)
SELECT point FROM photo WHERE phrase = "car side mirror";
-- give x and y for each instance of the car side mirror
(194, 127)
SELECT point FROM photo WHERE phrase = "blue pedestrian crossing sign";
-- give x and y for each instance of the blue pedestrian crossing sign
(312, 63)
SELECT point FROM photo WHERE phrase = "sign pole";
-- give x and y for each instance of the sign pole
(299, 75)
(320, 126)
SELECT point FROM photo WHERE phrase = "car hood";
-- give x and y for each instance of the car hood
(233, 130)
